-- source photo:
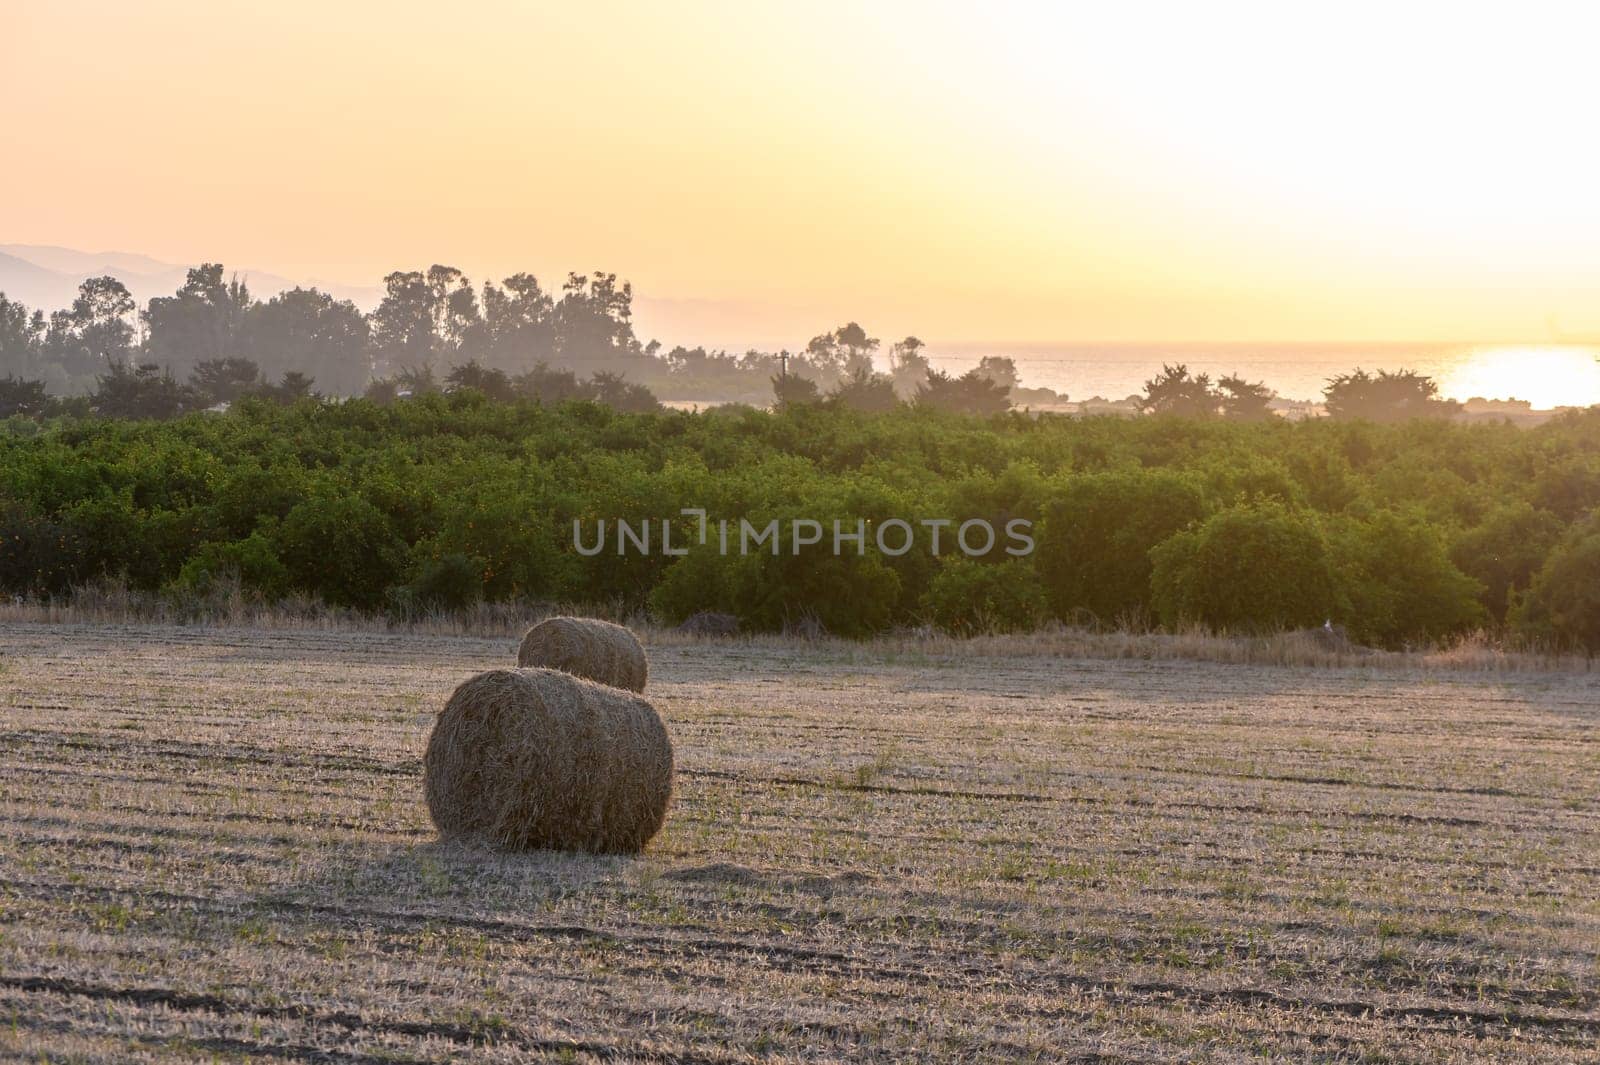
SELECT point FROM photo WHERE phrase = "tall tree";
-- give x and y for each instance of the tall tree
(865, 391)
(144, 391)
(1001, 369)
(616, 392)
(402, 326)
(427, 317)
(594, 322)
(1175, 391)
(225, 380)
(792, 390)
(842, 353)
(457, 325)
(21, 337)
(294, 386)
(908, 365)
(519, 323)
(96, 332)
(1243, 400)
(309, 332)
(492, 382)
(21, 396)
(417, 380)
(971, 393)
(549, 386)
(1386, 396)
(203, 321)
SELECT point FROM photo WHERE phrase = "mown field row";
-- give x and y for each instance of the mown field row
(213, 844)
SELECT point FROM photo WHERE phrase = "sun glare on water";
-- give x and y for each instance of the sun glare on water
(1554, 376)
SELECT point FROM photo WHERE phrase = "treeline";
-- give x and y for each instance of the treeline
(432, 327)
(213, 343)
(1405, 533)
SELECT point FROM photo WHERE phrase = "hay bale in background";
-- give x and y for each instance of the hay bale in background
(589, 648)
(535, 758)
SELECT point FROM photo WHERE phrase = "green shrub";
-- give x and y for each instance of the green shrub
(352, 499)
(1403, 588)
(510, 532)
(1325, 477)
(1237, 478)
(252, 494)
(704, 579)
(1252, 568)
(114, 538)
(1569, 488)
(1505, 551)
(1562, 605)
(850, 595)
(37, 555)
(449, 582)
(1093, 551)
(340, 547)
(967, 597)
(253, 561)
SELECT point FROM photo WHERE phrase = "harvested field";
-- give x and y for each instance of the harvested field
(213, 845)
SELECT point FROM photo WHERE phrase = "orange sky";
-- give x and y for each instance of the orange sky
(1023, 172)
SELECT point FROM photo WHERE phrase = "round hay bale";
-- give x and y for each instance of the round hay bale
(534, 758)
(589, 648)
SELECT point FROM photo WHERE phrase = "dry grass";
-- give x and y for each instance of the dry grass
(218, 849)
(112, 603)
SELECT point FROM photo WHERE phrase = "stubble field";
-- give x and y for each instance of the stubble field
(213, 847)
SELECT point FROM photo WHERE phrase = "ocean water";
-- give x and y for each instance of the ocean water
(1546, 375)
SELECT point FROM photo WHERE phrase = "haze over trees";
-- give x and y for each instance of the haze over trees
(908, 366)
(511, 338)
(430, 319)
(1386, 396)
(1175, 391)
(435, 330)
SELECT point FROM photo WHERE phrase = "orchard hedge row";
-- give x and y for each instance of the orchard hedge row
(1404, 533)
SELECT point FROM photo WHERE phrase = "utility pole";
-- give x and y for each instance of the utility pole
(783, 378)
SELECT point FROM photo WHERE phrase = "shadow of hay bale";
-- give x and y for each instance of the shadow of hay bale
(457, 875)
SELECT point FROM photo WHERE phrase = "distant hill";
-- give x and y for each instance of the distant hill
(33, 285)
(46, 278)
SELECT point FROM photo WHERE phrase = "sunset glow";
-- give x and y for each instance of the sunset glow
(1029, 172)
(1547, 377)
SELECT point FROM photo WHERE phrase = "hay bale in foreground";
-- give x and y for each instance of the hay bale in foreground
(589, 648)
(534, 758)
